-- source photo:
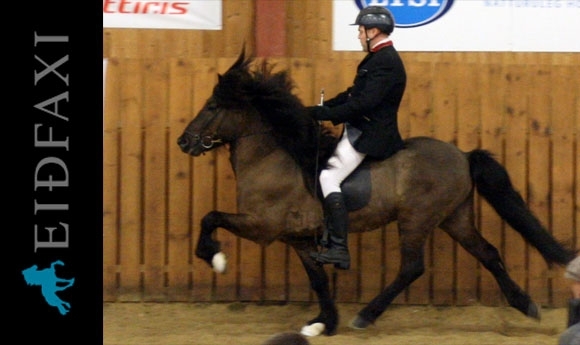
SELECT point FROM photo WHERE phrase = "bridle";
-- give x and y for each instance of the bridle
(209, 141)
(206, 141)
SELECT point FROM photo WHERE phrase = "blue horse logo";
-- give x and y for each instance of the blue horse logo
(49, 283)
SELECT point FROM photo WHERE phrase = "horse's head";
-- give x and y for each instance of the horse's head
(30, 275)
(202, 134)
(253, 102)
(224, 117)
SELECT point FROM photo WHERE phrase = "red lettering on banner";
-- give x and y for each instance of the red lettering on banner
(145, 7)
(164, 7)
(136, 8)
(180, 7)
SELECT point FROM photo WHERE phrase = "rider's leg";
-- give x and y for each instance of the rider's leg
(337, 226)
(343, 162)
(573, 311)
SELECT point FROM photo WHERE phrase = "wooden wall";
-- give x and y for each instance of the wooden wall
(524, 107)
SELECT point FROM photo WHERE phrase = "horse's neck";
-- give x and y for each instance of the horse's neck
(265, 171)
(255, 151)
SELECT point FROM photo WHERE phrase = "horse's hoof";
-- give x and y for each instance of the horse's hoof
(534, 311)
(313, 330)
(360, 323)
(219, 262)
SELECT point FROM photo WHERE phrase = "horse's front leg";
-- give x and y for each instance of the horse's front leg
(327, 320)
(68, 282)
(209, 249)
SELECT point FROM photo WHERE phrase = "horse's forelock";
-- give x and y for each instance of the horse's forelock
(230, 92)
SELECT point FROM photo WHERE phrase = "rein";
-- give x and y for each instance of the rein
(208, 141)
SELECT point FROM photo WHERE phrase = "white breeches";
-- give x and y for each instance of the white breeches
(341, 164)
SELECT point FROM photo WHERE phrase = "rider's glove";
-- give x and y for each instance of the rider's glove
(319, 112)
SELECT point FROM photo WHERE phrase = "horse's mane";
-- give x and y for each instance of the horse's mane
(270, 93)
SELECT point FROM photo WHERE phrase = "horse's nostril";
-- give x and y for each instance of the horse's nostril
(182, 141)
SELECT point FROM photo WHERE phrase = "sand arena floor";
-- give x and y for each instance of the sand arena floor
(252, 324)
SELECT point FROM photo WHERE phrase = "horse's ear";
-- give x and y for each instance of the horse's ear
(241, 62)
(242, 53)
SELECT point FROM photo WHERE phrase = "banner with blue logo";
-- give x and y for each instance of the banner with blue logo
(468, 25)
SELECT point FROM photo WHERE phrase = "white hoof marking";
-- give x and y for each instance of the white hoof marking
(219, 262)
(313, 329)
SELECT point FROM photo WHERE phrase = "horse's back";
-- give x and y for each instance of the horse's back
(430, 163)
(433, 152)
(428, 173)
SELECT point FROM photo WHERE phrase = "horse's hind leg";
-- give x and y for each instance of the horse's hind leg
(412, 240)
(461, 227)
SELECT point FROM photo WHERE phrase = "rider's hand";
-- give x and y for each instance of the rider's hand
(318, 112)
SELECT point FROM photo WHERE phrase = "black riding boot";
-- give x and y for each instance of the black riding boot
(337, 227)
(573, 311)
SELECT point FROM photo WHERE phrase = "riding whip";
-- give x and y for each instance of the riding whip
(324, 238)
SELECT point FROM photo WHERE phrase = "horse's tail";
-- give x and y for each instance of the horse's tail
(493, 183)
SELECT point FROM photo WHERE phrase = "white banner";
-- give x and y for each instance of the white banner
(163, 14)
(468, 25)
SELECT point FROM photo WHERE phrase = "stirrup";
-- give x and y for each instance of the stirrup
(340, 264)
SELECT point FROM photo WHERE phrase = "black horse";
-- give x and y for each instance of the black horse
(430, 184)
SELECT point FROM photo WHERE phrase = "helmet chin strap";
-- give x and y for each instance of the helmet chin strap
(368, 40)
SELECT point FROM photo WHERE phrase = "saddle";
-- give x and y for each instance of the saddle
(356, 188)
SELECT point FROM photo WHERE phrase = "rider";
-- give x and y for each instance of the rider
(571, 335)
(368, 110)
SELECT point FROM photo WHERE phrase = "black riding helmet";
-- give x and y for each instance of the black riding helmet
(376, 17)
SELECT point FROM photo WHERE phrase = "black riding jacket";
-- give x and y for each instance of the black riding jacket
(372, 102)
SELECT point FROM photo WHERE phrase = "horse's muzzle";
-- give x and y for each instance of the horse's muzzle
(183, 143)
(188, 145)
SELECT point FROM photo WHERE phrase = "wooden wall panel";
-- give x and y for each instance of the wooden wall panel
(442, 247)
(523, 107)
(466, 83)
(131, 180)
(155, 111)
(111, 165)
(179, 192)
(565, 161)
